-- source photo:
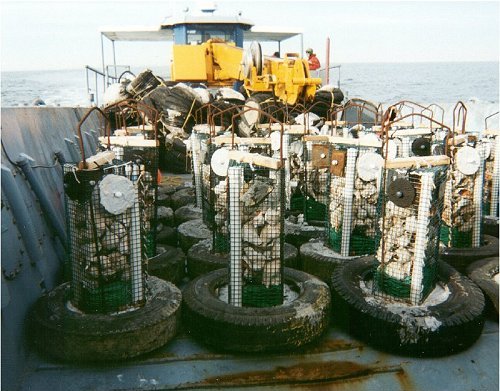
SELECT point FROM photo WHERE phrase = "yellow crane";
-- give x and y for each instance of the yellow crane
(218, 63)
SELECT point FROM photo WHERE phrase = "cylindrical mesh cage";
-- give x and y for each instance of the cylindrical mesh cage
(463, 195)
(408, 246)
(256, 215)
(105, 214)
(491, 174)
(411, 205)
(355, 177)
(136, 142)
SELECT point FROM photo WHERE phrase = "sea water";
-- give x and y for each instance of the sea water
(476, 84)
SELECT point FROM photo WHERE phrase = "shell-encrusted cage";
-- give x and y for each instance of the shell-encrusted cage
(355, 178)
(411, 205)
(492, 172)
(107, 215)
(256, 215)
(137, 144)
(293, 153)
(215, 188)
(105, 247)
(463, 195)
(211, 187)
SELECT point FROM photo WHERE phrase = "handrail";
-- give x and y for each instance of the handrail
(107, 79)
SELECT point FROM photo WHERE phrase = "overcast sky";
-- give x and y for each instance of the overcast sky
(40, 35)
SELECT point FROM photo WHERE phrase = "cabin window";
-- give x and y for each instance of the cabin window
(197, 36)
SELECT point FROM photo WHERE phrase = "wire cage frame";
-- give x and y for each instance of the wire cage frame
(416, 132)
(138, 144)
(354, 186)
(256, 227)
(492, 169)
(208, 126)
(410, 205)
(105, 224)
(463, 195)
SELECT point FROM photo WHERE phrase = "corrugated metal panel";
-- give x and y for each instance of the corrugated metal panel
(38, 132)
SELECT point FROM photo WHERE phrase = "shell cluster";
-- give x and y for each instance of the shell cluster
(107, 258)
(458, 210)
(397, 249)
(261, 230)
(364, 205)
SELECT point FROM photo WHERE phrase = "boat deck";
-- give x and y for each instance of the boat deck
(336, 362)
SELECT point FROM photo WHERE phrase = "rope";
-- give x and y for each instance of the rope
(188, 115)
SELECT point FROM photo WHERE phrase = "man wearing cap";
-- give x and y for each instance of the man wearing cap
(312, 60)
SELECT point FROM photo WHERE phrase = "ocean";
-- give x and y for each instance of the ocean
(476, 84)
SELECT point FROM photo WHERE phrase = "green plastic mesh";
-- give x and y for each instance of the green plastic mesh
(452, 237)
(108, 297)
(261, 296)
(361, 244)
(401, 288)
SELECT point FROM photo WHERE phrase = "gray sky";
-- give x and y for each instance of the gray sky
(40, 35)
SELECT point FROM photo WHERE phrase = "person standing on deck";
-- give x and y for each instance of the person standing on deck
(312, 60)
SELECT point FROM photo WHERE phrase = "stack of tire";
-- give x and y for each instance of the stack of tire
(177, 106)
(325, 99)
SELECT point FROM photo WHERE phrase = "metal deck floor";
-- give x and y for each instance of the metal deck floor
(337, 362)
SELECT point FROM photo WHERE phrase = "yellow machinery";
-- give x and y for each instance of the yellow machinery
(221, 64)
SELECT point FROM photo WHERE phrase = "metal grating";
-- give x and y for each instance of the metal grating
(256, 215)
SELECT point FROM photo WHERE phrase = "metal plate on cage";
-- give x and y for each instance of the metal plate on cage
(220, 162)
(275, 141)
(320, 156)
(337, 166)
(468, 160)
(117, 193)
(421, 146)
(401, 192)
(369, 165)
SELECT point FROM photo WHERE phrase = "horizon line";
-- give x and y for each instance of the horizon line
(336, 64)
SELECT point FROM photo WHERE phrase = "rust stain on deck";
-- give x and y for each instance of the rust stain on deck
(405, 381)
(311, 372)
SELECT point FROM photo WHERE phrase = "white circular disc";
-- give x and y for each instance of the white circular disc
(468, 160)
(117, 193)
(220, 162)
(369, 165)
(275, 141)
